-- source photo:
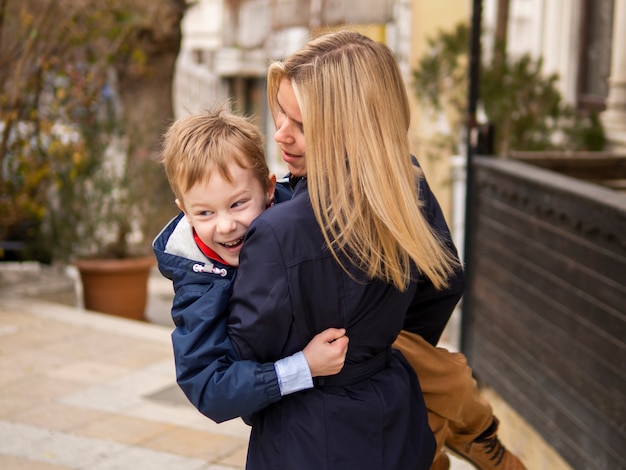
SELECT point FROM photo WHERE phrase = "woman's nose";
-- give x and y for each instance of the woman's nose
(282, 134)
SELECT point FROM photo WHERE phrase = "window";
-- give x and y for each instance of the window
(595, 54)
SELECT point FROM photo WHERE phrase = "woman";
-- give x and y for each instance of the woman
(349, 250)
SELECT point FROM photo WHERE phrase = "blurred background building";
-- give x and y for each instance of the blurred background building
(227, 46)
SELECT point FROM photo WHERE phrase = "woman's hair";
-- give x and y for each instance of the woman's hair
(362, 183)
(194, 146)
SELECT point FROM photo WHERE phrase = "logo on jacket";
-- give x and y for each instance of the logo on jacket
(210, 268)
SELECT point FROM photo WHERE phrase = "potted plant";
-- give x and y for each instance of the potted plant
(102, 213)
(111, 236)
(96, 211)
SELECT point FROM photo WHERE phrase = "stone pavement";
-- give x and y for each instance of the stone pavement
(84, 390)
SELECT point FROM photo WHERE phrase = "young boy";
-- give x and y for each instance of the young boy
(216, 167)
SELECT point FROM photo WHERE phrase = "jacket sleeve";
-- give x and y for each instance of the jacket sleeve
(431, 308)
(261, 319)
(207, 369)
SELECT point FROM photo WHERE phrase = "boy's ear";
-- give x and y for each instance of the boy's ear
(271, 187)
(180, 206)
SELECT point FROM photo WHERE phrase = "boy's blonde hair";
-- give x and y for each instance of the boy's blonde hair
(195, 146)
(362, 184)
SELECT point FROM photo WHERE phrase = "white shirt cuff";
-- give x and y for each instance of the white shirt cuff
(293, 374)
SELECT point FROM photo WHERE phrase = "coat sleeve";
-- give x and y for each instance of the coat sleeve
(261, 319)
(431, 308)
(207, 369)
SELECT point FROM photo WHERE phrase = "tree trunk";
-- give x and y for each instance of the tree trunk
(145, 81)
(145, 78)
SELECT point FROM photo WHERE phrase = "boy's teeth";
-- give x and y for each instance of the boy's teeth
(231, 244)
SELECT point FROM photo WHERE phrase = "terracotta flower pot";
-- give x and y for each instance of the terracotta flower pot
(116, 286)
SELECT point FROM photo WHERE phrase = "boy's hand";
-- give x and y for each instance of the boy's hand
(326, 352)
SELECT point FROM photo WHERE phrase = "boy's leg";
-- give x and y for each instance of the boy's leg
(450, 392)
(457, 413)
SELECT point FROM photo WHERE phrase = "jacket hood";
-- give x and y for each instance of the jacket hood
(175, 249)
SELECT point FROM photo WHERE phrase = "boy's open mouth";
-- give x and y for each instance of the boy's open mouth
(233, 244)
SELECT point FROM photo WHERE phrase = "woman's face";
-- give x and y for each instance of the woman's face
(289, 131)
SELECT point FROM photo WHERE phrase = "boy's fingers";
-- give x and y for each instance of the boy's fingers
(335, 333)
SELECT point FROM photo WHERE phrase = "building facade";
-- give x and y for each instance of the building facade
(583, 41)
(228, 44)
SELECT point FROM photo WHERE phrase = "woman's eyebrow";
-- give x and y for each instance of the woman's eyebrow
(286, 114)
(278, 102)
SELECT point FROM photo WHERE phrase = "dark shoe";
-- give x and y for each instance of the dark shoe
(486, 452)
(441, 462)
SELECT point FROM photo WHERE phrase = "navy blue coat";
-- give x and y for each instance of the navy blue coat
(289, 288)
(207, 370)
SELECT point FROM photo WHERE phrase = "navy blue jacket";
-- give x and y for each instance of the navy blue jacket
(289, 287)
(431, 309)
(207, 370)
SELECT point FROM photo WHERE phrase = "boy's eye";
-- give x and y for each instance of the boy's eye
(205, 213)
(239, 203)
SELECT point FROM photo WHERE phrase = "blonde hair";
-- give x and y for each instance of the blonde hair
(194, 146)
(362, 183)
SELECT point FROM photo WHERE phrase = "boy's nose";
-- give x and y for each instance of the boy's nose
(225, 224)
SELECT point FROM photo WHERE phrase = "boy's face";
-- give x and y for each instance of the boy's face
(289, 132)
(221, 212)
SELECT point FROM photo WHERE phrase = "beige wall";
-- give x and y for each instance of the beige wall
(428, 18)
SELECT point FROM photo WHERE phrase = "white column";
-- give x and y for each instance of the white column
(614, 118)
